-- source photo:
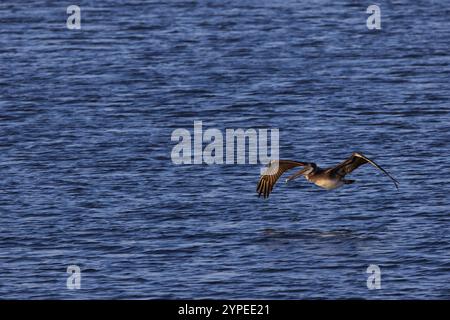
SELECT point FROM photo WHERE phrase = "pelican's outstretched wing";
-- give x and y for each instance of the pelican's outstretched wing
(356, 160)
(274, 170)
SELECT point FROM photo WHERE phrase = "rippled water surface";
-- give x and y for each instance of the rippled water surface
(86, 118)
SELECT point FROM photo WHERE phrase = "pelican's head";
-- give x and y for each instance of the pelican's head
(306, 171)
(309, 168)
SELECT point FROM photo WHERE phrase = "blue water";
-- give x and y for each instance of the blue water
(86, 118)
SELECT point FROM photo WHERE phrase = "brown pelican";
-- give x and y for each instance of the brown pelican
(329, 178)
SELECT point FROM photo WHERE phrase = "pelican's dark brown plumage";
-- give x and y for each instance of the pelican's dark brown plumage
(329, 178)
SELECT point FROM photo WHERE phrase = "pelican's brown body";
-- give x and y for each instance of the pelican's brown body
(324, 180)
(329, 178)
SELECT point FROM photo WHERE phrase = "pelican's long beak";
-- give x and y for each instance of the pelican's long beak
(296, 175)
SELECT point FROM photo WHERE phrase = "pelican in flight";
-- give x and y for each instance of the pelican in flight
(329, 178)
